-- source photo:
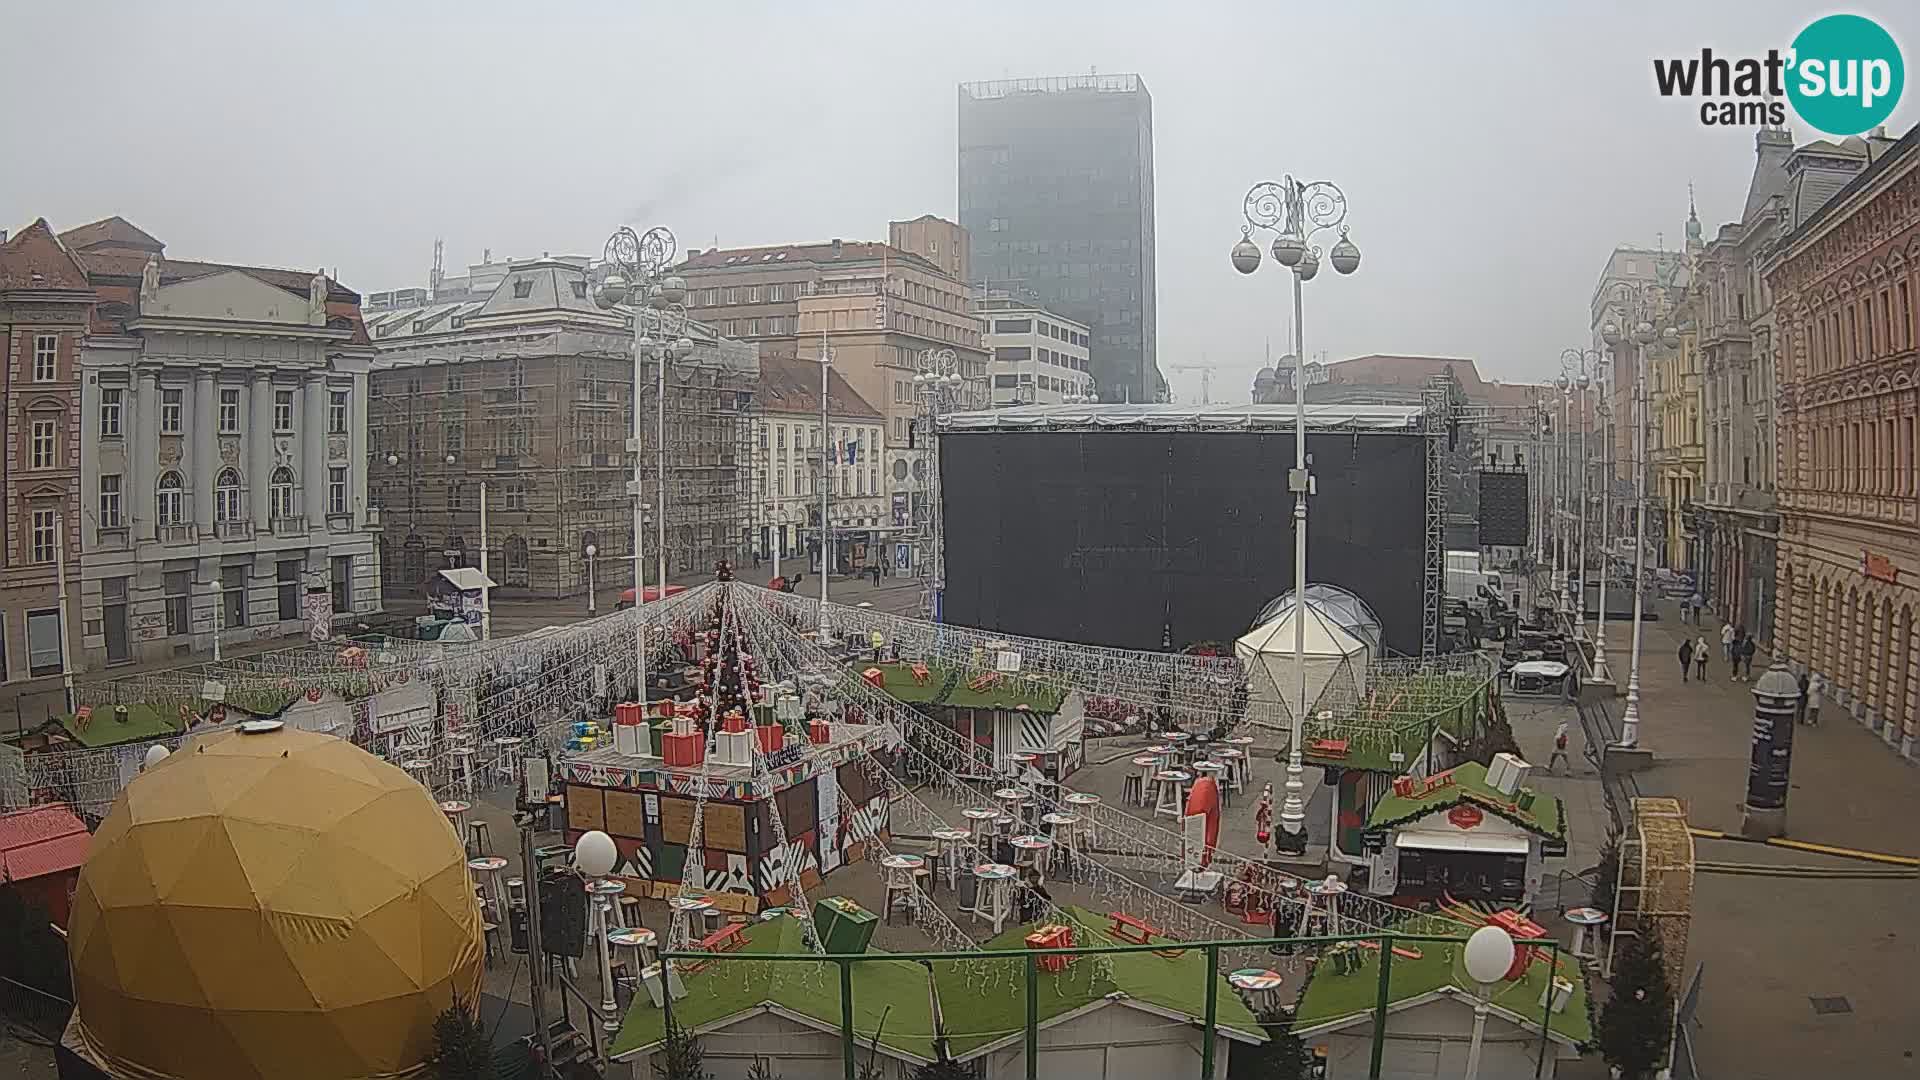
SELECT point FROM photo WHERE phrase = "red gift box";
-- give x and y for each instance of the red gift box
(627, 712)
(772, 737)
(818, 731)
(733, 722)
(683, 751)
(1051, 937)
(875, 678)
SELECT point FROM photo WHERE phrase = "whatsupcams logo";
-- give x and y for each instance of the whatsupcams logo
(1843, 75)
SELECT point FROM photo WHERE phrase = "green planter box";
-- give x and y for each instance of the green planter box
(845, 927)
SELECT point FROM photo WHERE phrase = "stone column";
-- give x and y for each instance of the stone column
(205, 420)
(357, 460)
(313, 446)
(259, 443)
(144, 441)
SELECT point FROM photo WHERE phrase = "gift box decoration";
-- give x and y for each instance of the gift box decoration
(733, 748)
(683, 750)
(875, 678)
(772, 737)
(733, 722)
(629, 738)
(627, 712)
(819, 732)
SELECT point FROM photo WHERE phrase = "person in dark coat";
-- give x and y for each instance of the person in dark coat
(1800, 706)
(1686, 658)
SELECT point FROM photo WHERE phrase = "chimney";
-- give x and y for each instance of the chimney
(3, 236)
(693, 253)
(836, 247)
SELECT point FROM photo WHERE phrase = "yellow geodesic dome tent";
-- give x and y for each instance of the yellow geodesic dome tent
(274, 904)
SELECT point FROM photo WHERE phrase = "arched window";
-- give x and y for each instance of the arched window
(281, 490)
(226, 496)
(172, 509)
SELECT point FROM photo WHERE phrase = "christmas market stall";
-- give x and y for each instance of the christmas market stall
(998, 711)
(774, 794)
(1473, 835)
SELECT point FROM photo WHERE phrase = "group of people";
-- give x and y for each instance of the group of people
(1736, 648)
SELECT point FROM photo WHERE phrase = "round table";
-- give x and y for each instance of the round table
(1010, 795)
(490, 865)
(996, 881)
(982, 818)
(454, 807)
(1583, 919)
(1082, 798)
(1030, 843)
(1058, 819)
(903, 862)
(950, 841)
(1251, 981)
(638, 938)
(993, 871)
(1177, 737)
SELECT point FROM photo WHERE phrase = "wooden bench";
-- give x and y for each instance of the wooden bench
(1401, 951)
(724, 940)
(1131, 930)
(986, 680)
(921, 675)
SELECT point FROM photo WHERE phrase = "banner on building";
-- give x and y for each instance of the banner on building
(899, 509)
(319, 615)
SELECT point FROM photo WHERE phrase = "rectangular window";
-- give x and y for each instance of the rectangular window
(337, 490)
(733, 294)
(753, 327)
(43, 642)
(342, 584)
(286, 578)
(456, 436)
(110, 413)
(229, 412)
(776, 293)
(753, 294)
(42, 527)
(170, 409)
(283, 410)
(42, 445)
(110, 502)
(46, 357)
(337, 412)
(456, 382)
(177, 587)
(1905, 317)
(1013, 326)
(233, 596)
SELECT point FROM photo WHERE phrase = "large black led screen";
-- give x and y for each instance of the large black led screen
(1127, 539)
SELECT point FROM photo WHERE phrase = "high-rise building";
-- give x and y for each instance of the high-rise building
(1056, 191)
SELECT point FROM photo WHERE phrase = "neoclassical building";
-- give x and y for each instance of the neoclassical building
(1845, 282)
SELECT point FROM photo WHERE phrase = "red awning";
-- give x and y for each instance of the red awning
(653, 593)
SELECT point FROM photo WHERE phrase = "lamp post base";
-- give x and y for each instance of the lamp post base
(1620, 760)
(1759, 824)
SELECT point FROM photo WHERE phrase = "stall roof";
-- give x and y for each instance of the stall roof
(41, 840)
(1545, 817)
(468, 579)
(1332, 1000)
(953, 686)
(1402, 419)
(1432, 840)
(896, 990)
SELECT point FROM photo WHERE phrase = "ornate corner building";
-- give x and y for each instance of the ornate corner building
(1845, 281)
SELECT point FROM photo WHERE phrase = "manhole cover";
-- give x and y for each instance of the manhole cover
(1824, 1006)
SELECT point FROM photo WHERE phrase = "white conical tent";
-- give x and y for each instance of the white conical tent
(1335, 661)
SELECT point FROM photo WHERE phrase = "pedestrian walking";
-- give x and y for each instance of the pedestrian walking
(1559, 748)
(1686, 658)
(1800, 706)
(1726, 642)
(1747, 649)
(1816, 687)
(1694, 603)
(1700, 658)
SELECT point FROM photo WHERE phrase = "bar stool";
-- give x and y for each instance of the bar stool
(685, 910)
(1235, 760)
(1083, 805)
(1134, 790)
(996, 893)
(1063, 828)
(456, 811)
(949, 852)
(1169, 793)
(487, 870)
(418, 768)
(506, 761)
(981, 828)
(463, 768)
(1163, 753)
(627, 912)
(491, 934)
(1029, 852)
(478, 840)
(900, 883)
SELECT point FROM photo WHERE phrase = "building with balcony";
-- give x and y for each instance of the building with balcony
(1676, 457)
(1056, 192)
(791, 450)
(1844, 282)
(1735, 524)
(523, 385)
(225, 413)
(1039, 358)
(45, 302)
(1630, 272)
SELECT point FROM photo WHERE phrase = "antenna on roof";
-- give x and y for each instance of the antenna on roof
(438, 273)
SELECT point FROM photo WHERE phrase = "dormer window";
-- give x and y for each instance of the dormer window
(522, 288)
(580, 290)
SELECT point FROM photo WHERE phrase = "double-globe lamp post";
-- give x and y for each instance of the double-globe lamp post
(635, 267)
(1294, 212)
(1579, 370)
(1642, 336)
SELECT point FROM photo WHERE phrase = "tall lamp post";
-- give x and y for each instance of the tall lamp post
(592, 550)
(594, 855)
(826, 483)
(1489, 956)
(635, 266)
(1581, 367)
(1603, 412)
(1642, 336)
(1562, 549)
(1294, 212)
(937, 383)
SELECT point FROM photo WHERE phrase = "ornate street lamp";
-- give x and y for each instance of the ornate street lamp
(1294, 212)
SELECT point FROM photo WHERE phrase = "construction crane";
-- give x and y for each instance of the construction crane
(1206, 371)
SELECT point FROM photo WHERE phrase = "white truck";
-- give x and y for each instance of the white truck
(1468, 581)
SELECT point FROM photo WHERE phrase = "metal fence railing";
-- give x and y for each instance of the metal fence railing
(987, 997)
(35, 1014)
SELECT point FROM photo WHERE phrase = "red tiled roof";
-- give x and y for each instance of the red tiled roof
(116, 276)
(108, 233)
(35, 259)
(1389, 370)
(41, 840)
(793, 386)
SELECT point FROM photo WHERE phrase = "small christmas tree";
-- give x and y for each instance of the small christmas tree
(1282, 1057)
(946, 1070)
(762, 1068)
(1606, 875)
(1636, 1025)
(461, 1051)
(680, 1056)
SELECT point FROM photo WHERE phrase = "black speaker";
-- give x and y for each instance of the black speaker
(563, 913)
(1504, 512)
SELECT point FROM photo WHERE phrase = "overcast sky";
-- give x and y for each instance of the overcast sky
(1492, 154)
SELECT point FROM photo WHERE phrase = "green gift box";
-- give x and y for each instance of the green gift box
(845, 927)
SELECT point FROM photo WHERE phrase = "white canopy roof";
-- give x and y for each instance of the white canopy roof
(468, 579)
(1334, 660)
